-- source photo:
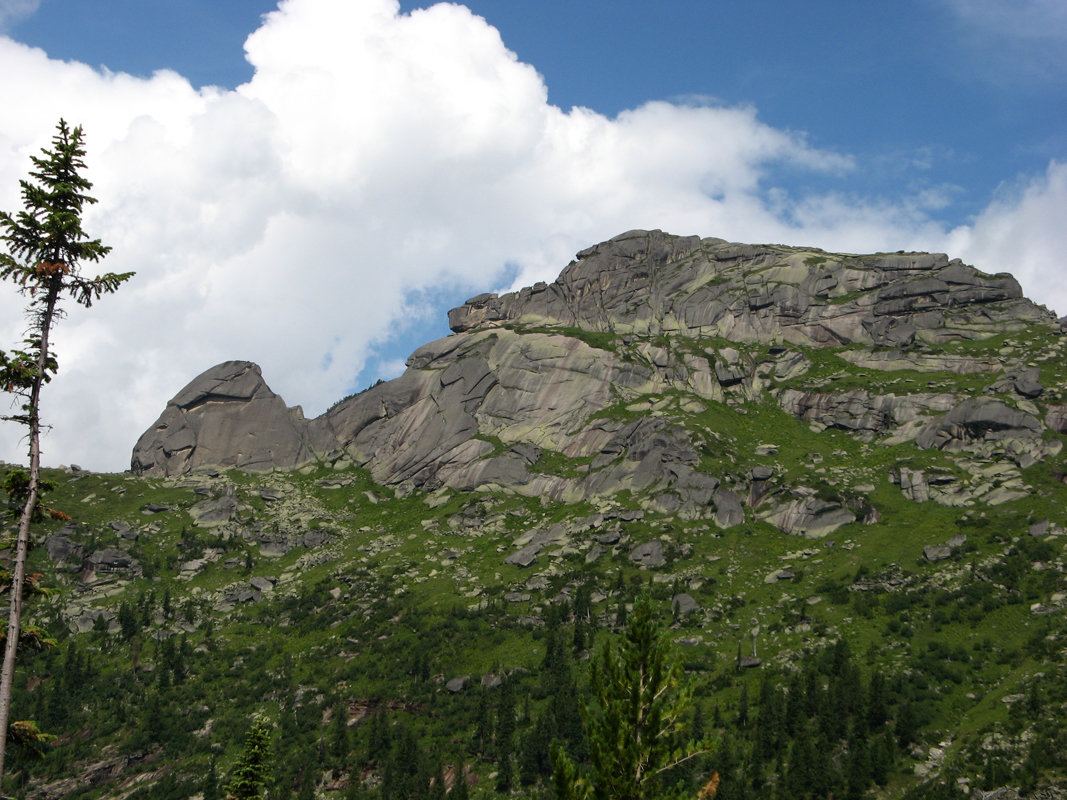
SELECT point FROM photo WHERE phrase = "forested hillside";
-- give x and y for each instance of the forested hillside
(839, 480)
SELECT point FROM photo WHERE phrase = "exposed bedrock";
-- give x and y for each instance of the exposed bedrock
(226, 417)
(603, 370)
(650, 282)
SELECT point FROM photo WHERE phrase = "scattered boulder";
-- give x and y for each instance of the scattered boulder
(1056, 418)
(1026, 383)
(809, 517)
(457, 684)
(649, 554)
(89, 619)
(274, 546)
(913, 484)
(111, 561)
(261, 584)
(862, 413)
(978, 419)
(243, 594)
(215, 511)
(728, 510)
(97, 773)
(123, 529)
(524, 557)
(684, 604)
(609, 538)
(939, 552)
(1039, 529)
(534, 541)
(780, 575)
(315, 537)
(1003, 792)
(61, 547)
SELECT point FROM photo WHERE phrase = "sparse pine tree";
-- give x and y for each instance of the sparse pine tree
(339, 741)
(459, 783)
(437, 783)
(504, 742)
(128, 621)
(742, 707)
(45, 248)
(483, 724)
(210, 788)
(379, 738)
(534, 754)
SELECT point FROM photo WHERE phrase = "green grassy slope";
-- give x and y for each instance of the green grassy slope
(891, 673)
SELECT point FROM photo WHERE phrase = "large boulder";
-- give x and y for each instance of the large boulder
(1056, 418)
(61, 547)
(649, 554)
(215, 510)
(978, 419)
(809, 517)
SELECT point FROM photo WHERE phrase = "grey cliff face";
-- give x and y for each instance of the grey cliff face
(226, 417)
(605, 364)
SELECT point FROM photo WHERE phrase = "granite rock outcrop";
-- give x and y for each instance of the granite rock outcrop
(619, 367)
(225, 417)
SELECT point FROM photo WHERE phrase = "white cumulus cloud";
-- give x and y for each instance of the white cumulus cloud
(1022, 232)
(374, 162)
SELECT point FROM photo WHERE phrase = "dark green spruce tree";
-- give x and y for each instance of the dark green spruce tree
(636, 721)
(249, 777)
(45, 247)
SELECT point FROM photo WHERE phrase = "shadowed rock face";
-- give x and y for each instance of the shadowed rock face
(582, 367)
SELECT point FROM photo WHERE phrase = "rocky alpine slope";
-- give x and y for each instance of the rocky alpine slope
(836, 475)
(616, 364)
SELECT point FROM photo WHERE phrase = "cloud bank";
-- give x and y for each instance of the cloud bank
(377, 162)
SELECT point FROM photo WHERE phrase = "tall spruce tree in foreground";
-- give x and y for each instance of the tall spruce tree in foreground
(45, 246)
(636, 722)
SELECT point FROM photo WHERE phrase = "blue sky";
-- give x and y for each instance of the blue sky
(407, 160)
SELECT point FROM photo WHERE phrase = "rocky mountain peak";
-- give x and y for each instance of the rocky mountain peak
(227, 417)
(649, 283)
(641, 366)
